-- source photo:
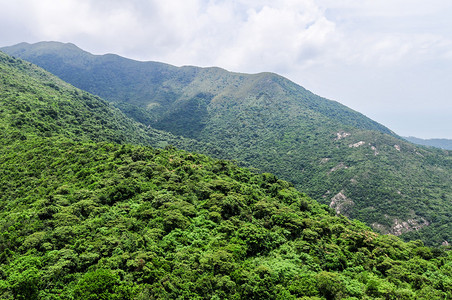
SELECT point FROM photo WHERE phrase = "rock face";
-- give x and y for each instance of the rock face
(338, 167)
(408, 225)
(400, 227)
(342, 134)
(356, 145)
(341, 204)
(375, 150)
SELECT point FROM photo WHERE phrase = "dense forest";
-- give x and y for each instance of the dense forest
(336, 155)
(87, 215)
(107, 221)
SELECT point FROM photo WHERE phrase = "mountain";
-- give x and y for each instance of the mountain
(164, 90)
(438, 143)
(37, 103)
(84, 217)
(338, 156)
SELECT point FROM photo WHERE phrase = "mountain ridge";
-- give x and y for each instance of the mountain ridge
(37, 103)
(441, 143)
(59, 51)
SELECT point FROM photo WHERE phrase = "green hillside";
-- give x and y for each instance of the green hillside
(336, 155)
(36, 103)
(165, 90)
(85, 218)
(105, 221)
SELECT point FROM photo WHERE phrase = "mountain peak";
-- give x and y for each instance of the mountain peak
(43, 47)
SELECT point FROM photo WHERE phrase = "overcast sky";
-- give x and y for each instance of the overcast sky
(388, 59)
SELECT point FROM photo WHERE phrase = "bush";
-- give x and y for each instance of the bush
(101, 284)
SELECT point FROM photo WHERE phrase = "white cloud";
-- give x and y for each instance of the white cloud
(393, 31)
(278, 37)
(241, 35)
(367, 54)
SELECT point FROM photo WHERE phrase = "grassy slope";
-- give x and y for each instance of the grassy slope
(270, 123)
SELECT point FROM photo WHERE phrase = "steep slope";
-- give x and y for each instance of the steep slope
(105, 221)
(338, 156)
(34, 102)
(165, 90)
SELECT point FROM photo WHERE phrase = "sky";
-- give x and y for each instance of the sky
(388, 59)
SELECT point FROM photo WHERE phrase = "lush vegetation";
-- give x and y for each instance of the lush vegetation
(85, 218)
(166, 91)
(34, 102)
(336, 155)
(105, 221)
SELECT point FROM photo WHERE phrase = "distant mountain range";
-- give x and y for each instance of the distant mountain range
(343, 159)
(438, 143)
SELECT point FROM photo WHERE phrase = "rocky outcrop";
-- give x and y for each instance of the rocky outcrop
(338, 167)
(341, 204)
(342, 134)
(399, 226)
(356, 145)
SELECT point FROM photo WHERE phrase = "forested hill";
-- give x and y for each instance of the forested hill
(338, 156)
(37, 103)
(105, 221)
(165, 90)
(99, 220)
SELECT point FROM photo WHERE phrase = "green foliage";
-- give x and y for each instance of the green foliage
(264, 121)
(100, 220)
(36, 103)
(101, 284)
(85, 220)
(22, 278)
